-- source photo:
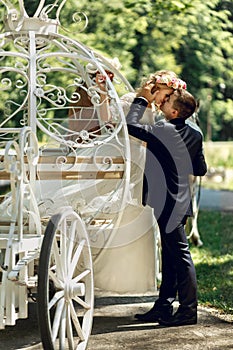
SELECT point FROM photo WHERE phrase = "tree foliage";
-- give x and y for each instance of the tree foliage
(192, 37)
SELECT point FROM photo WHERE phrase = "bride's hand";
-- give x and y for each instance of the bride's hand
(148, 91)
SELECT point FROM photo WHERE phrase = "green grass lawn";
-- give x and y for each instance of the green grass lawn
(214, 260)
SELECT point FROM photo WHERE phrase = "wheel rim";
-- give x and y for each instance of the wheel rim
(69, 285)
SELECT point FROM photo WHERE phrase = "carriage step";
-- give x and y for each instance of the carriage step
(13, 275)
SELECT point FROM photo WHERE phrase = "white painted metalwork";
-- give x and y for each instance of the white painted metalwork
(47, 133)
(70, 205)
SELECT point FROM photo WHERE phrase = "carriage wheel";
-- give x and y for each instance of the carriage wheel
(65, 284)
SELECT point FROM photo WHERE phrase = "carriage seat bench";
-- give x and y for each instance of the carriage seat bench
(71, 167)
(54, 165)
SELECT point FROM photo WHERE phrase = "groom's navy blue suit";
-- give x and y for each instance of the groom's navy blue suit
(174, 151)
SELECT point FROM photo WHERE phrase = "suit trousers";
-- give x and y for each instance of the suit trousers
(178, 271)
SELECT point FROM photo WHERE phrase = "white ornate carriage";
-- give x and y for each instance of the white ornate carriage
(73, 205)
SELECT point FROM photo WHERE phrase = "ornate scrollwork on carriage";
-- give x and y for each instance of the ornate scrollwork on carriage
(68, 164)
(49, 79)
(48, 83)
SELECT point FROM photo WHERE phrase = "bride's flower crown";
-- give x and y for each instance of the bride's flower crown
(171, 81)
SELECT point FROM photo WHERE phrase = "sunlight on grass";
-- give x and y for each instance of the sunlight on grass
(214, 260)
(219, 156)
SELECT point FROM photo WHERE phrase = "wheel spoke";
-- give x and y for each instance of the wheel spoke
(75, 258)
(57, 282)
(82, 303)
(71, 240)
(62, 329)
(81, 276)
(57, 319)
(57, 257)
(63, 244)
(57, 296)
(69, 329)
(76, 322)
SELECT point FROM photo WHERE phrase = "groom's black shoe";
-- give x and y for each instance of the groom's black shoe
(158, 311)
(183, 316)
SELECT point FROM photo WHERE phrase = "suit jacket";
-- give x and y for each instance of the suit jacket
(174, 151)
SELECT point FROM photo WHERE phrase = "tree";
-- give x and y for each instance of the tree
(206, 55)
(192, 37)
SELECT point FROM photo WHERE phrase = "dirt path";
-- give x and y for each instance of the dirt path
(114, 328)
